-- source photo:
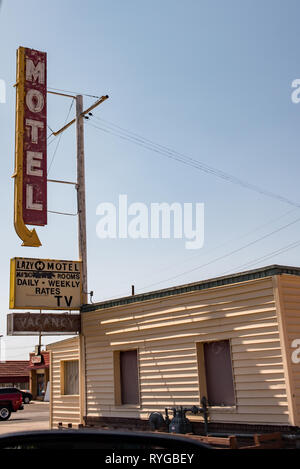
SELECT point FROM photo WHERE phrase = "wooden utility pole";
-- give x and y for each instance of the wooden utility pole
(82, 244)
(81, 205)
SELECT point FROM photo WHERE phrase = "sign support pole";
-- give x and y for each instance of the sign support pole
(81, 205)
(82, 245)
(40, 340)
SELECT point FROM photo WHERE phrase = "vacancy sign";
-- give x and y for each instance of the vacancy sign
(45, 284)
(46, 324)
(31, 144)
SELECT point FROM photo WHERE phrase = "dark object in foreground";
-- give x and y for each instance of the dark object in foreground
(100, 439)
(179, 422)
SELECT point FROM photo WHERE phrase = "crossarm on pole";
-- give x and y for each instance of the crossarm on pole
(99, 101)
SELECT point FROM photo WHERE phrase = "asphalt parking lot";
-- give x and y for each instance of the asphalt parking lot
(35, 416)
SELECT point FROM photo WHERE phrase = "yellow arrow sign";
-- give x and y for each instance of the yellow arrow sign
(29, 237)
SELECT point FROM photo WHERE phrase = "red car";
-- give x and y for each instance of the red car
(10, 401)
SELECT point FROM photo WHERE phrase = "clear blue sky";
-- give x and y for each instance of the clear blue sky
(210, 79)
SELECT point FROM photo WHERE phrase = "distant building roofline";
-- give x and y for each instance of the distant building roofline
(239, 277)
(14, 368)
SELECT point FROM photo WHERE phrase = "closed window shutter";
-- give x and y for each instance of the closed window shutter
(129, 377)
(218, 370)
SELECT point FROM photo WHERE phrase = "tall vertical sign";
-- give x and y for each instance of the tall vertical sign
(35, 140)
(31, 144)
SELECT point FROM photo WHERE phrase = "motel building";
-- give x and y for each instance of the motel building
(233, 339)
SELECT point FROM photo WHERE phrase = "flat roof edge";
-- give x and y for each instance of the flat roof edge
(239, 277)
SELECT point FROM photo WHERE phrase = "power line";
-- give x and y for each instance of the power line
(180, 157)
(171, 267)
(52, 131)
(53, 140)
(114, 129)
(266, 257)
(74, 92)
(59, 138)
(247, 264)
(258, 228)
(63, 213)
(224, 255)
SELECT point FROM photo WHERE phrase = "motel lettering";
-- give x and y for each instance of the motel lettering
(35, 139)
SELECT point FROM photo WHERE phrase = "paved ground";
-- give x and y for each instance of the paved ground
(35, 416)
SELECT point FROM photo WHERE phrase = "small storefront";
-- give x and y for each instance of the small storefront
(39, 374)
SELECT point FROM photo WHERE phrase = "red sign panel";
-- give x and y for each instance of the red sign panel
(35, 139)
(36, 359)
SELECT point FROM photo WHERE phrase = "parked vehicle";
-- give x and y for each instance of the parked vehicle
(10, 401)
(27, 396)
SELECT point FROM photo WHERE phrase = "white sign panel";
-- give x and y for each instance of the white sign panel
(45, 284)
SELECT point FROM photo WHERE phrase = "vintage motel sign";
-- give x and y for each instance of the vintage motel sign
(45, 323)
(31, 145)
(45, 284)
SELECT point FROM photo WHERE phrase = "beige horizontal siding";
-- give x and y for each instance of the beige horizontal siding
(289, 289)
(64, 409)
(166, 332)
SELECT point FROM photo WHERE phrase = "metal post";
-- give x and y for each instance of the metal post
(40, 339)
(81, 195)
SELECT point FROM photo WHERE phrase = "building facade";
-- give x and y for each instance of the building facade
(14, 373)
(234, 340)
(39, 374)
(65, 403)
